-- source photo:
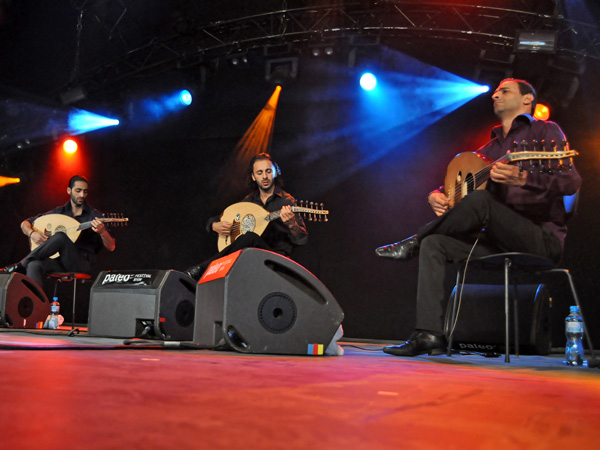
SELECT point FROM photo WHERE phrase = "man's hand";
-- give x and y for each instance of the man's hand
(288, 217)
(107, 240)
(222, 228)
(508, 174)
(439, 202)
(38, 238)
(98, 226)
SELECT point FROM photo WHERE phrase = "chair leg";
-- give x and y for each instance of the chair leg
(74, 301)
(506, 309)
(516, 321)
(450, 331)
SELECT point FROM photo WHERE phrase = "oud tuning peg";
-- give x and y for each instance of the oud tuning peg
(324, 215)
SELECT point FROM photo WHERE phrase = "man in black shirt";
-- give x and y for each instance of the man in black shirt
(73, 256)
(281, 236)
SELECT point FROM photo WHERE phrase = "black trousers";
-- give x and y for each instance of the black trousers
(70, 259)
(450, 238)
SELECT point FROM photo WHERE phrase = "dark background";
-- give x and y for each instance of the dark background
(165, 175)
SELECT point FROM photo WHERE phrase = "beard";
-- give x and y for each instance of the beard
(262, 187)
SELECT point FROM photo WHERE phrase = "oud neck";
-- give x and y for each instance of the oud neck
(273, 216)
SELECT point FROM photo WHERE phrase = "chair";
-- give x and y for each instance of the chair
(70, 277)
(516, 268)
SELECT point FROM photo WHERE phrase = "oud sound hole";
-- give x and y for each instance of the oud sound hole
(470, 182)
(248, 224)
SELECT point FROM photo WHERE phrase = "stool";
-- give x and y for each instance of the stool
(70, 277)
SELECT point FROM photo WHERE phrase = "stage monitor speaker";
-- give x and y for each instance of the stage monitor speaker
(256, 301)
(480, 326)
(143, 303)
(23, 304)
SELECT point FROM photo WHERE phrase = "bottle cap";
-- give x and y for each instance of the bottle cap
(574, 309)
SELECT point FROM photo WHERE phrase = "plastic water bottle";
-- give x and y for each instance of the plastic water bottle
(54, 312)
(574, 333)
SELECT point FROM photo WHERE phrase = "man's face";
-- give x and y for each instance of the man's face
(509, 101)
(263, 174)
(78, 193)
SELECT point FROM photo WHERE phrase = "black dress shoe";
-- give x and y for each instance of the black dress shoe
(12, 268)
(420, 342)
(195, 272)
(403, 250)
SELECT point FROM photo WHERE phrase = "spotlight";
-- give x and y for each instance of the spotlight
(316, 52)
(329, 51)
(73, 95)
(281, 71)
(8, 180)
(368, 81)
(542, 112)
(81, 121)
(536, 41)
(69, 146)
(185, 97)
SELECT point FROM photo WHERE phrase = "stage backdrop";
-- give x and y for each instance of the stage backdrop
(373, 177)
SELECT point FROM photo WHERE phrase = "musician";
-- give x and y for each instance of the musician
(520, 211)
(281, 236)
(73, 256)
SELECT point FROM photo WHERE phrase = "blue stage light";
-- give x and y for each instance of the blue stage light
(185, 97)
(406, 101)
(81, 121)
(368, 81)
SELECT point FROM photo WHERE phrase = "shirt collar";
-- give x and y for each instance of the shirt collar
(68, 210)
(277, 191)
(518, 122)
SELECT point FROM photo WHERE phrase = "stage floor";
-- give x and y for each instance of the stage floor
(95, 393)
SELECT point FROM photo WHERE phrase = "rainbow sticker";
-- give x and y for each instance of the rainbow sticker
(315, 349)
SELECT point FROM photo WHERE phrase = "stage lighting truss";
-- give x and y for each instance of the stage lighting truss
(277, 32)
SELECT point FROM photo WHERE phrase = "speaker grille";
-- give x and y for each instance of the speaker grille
(25, 307)
(277, 312)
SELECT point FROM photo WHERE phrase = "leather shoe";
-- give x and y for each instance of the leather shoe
(12, 268)
(403, 250)
(419, 343)
(195, 272)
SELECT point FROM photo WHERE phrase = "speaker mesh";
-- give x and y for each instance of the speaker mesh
(277, 312)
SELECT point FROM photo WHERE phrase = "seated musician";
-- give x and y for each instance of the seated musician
(75, 256)
(282, 234)
(520, 211)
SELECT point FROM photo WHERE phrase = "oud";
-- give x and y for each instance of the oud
(249, 217)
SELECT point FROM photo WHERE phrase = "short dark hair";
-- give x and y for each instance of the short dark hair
(525, 87)
(75, 179)
(260, 157)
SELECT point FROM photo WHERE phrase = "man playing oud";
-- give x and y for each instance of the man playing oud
(72, 256)
(282, 234)
(520, 211)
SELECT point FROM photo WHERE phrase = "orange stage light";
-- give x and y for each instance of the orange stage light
(69, 146)
(542, 112)
(257, 139)
(7, 180)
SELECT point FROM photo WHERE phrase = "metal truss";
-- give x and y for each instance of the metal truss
(192, 43)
